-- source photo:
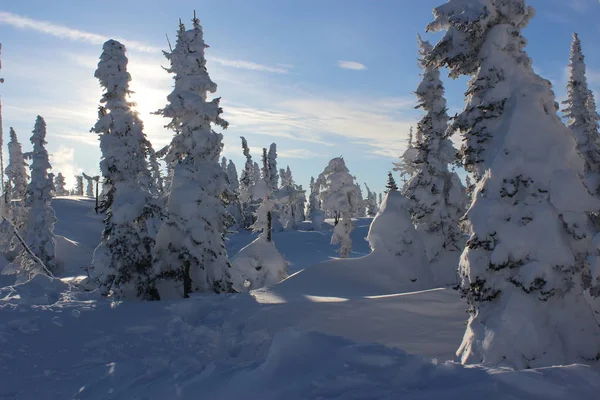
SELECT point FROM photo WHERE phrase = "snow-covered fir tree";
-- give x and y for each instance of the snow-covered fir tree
(391, 183)
(582, 120)
(39, 229)
(59, 184)
(190, 253)
(340, 195)
(522, 267)
(224, 164)
(246, 183)
(380, 197)
(122, 264)
(89, 187)
(291, 199)
(371, 202)
(79, 185)
(256, 172)
(469, 187)
(361, 207)
(272, 164)
(437, 197)
(157, 182)
(260, 263)
(406, 166)
(234, 208)
(16, 170)
(315, 212)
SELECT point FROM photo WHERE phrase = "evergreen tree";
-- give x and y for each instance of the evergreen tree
(59, 184)
(224, 164)
(263, 191)
(406, 166)
(272, 164)
(380, 199)
(339, 196)
(189, 251)
(39, 230)
(79, 185)
(371, 202)
(522, 267)
(122, 263)
(391, 183)
(246, 183)
(234, 208)
(291, 199)
(437, 197)
(582, 120)
(89, 189)
(16, 170)
(315, 213)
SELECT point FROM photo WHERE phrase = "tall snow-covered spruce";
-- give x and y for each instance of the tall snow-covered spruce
(39, 230)
(340, 196)
(529, 237)
(16, 170)
(122, 264)
(437, 197)
(190, 253)
(582, 119)
(247, 181)
(59, 185)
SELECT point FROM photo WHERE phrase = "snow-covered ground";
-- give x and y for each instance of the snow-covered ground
(333, 330)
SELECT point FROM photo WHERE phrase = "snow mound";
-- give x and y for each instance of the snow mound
(39, 290)
(257, 265)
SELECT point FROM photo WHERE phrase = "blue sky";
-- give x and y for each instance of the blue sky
(320, 78)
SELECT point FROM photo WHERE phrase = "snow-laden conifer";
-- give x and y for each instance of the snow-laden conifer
(340, 196)
(247, 181)
(89, 187)
(260, 263)
(406, 166)
(437, 197)
(16, 170)
(39, 229)
(234, 208)
(190, 253)
(79, 185)
(291, 199)
(122, 264)
(582, 120)
(391, 183)
(315, 212)
(371, 202)
(59, 184)
(522, 266)
(272, 164)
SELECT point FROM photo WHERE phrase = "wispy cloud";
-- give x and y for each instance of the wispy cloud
(353, 65)
(65, 32)
(249, 65)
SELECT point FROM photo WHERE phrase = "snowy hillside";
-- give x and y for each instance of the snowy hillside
(325, 332)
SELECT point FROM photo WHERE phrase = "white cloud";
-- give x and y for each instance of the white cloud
(65, 32)
(249, 65)
(353, 65)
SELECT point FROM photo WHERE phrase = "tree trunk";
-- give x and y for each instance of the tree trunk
(269, 227)
(187, 281)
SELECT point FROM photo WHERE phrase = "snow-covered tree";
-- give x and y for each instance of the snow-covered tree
(234, 208)
(246, 183)
(157, 182)
(582, 120)
(122, 264)
(224, 163)
(39, 229)
(16, 170)
(59, 184)
(79, 185)
(380, 199)
(260, 263)
(291, 199)
(314, 212)
(394, 240)
(437, 197)
(406, 167)
(391, 183)
(190, 252)
(522, 267)
(339, 196)
(272, 162)
(371, 202)
(361, 207)
(256, 172)
(89, 188)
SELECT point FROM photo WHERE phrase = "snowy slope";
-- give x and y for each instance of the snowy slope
(332, 336)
